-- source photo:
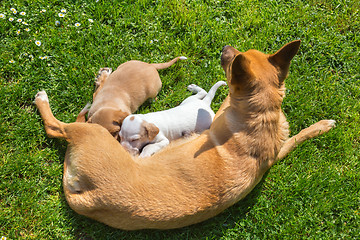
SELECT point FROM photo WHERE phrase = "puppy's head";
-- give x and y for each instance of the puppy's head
(255, 73)
(135, 133)
(109, 118)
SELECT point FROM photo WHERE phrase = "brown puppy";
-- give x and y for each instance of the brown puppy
(120, 93)
(195, 179)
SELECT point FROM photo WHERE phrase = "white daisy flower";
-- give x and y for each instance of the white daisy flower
(25, 23)
(61, 15)
(41, 57)
(13, 10)
(18, 32)
(11, 61)
(2, 15)
(90, 20)
(57, 23)
(42, 11)
(63, 10)
(38, 43)
(31, 56)
(19, 20)
(23, 13)
(27, 29)
(11, 19)
(77, 24)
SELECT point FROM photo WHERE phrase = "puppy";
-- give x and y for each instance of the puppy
(194, 180)
(153, 131)
(121, 92)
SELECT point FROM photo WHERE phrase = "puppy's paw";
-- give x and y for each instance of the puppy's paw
(41, 97)
(102, 75)
(146, 154)
(194, 88)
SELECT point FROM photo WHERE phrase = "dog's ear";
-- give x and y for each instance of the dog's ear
(119, 116)
(150, 130)
(240, 70)
(283, 57)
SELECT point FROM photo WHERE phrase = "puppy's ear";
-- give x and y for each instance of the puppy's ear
(150, 130)
(119, 116)
(282, 57)
(240, 70)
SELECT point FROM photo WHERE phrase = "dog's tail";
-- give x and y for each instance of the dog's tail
(83, 112)
(211, 94)
(159, 66)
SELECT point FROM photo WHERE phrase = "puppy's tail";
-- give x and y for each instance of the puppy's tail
(167, 64)
(83, 112)
(211, 94)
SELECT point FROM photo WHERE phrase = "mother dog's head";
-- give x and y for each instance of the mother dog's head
(253, 73)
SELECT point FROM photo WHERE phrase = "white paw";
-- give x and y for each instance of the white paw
(194, 88)
(103, 72)
(42, 96)
(326, 125)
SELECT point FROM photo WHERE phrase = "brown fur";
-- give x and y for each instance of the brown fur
(121, 93)
(193, 180)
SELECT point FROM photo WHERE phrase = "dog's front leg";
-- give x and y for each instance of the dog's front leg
(152, 148)
(53, 127)
(314, 130)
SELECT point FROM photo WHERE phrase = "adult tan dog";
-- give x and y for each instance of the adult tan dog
(195, 179)
(120, 93)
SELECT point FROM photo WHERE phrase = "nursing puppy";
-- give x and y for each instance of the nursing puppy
(193, 180)
(121, 92)
(151, 132)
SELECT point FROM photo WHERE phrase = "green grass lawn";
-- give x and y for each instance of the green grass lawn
(314, 193)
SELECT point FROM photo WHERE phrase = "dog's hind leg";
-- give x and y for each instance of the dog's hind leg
(314, 130)
(100, 79)
(53, 127)
(199, 92)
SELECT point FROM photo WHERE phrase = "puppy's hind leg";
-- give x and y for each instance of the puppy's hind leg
(53, 127)
(314, 130)
(100, 79)
(200, 93)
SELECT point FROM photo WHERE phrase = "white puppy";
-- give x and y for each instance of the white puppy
(151, 132)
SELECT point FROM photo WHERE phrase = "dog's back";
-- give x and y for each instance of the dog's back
(128, 87)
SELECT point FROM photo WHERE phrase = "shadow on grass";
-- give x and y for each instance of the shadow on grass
(214, 228)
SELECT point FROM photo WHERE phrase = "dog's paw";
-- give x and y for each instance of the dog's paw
(194, 88)
(326, 125)
(102, 74)
(41, 96)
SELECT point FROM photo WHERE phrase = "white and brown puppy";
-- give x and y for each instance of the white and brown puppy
(121, 92)
(151, 132)
(196, 179)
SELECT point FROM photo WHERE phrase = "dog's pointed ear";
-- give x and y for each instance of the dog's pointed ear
(240, 70)
(283, 56)
(150, 130)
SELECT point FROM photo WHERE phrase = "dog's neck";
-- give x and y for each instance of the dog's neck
(260, 115)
